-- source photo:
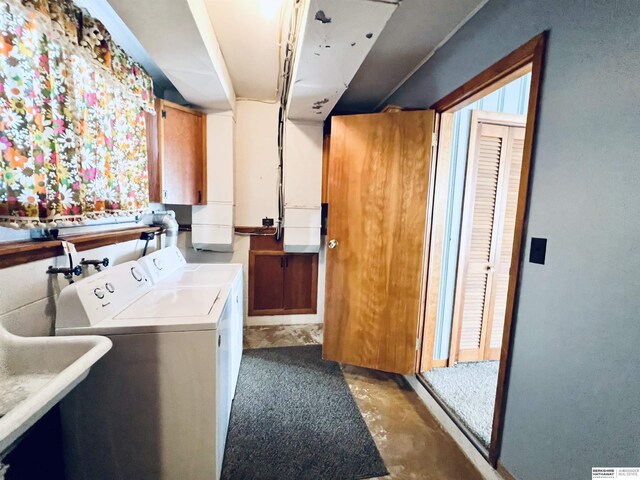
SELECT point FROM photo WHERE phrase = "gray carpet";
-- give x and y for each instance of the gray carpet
(469, 390)
(293, 417)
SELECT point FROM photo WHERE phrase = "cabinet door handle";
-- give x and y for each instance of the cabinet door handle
(281, 262)
(286, 262)
(199, 196)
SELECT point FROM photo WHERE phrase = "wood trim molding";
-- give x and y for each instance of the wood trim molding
(528, 57)
(504, 473)
(438, 219)
(538, 44)
(422, 361)
(514, 65)
(326, 148)
(439, 363)
(266, 242)
(18, 253)
(255, 230)
(177, 106)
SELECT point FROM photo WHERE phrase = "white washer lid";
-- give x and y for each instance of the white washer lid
(201, 274)
(163, 310)
(172, 303)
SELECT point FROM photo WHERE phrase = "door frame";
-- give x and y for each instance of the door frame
(477, 117)
(528, 57)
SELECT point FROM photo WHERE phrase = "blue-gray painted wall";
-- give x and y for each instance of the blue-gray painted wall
(512, 98)
(574, 389)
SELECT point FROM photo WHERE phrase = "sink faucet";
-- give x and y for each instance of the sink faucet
(98, 264)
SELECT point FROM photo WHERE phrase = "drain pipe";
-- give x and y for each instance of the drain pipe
(167, 220)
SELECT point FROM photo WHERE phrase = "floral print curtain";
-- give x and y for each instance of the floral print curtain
(72, 123)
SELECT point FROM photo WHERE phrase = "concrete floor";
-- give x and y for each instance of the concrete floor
(412, 443)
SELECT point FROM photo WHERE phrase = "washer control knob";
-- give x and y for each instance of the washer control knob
(158, 264)
(110, 288)
(98, 292)
(136, 274)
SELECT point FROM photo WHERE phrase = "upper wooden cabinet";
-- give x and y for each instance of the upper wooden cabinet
(176, 139)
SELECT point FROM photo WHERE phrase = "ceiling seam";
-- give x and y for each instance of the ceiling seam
(431, 53)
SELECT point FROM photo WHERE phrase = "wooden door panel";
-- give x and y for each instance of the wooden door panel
(379, 171)
(154, 166)
(266, 278)
(300, 286)
(183, 156)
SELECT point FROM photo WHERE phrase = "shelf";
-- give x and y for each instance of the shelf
(17, 253)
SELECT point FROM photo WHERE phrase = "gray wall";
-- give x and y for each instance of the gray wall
(574, 396)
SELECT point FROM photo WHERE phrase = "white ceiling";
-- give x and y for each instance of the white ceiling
(122, 36)
(249, 35)
(416, 29)
(337, 36)
(180, 40)
(215, 50)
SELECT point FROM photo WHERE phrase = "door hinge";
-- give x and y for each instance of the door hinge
(418, 343)
(434, 140)
(164, 114)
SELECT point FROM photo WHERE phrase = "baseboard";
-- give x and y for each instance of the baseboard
(468, 449)
(273, 320)
(506, 474)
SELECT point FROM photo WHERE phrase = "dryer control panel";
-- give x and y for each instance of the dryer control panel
(162, 263)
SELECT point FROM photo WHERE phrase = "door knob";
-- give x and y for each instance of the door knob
(333, 243)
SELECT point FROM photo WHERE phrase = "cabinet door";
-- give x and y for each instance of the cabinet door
(300, 283)
(182, 153)
(154, 166)
(266, 283)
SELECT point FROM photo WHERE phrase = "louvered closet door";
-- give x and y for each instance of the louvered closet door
(514, 149)
(481, 194)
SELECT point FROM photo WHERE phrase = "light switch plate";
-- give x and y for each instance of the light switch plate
(538, 251)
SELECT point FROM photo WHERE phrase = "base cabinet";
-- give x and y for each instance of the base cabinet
(282, 283)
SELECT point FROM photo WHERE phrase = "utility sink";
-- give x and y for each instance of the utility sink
(36, 373)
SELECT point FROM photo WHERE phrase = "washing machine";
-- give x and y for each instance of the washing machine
(168, 268)
(157, 406)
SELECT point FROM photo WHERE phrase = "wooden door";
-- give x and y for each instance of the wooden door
(154, 166)
(183, 154)
(300, 287)
(266, 282)
(489, 211)
(379, 171)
